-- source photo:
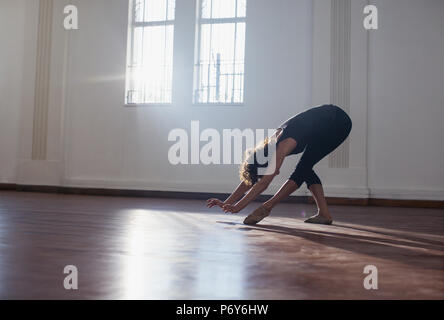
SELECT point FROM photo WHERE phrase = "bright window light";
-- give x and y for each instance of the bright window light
(150, 52)
(220, 60)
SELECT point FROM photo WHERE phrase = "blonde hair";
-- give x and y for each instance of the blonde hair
(248, 171)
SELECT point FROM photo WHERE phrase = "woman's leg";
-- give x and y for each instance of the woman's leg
(264, 210)
(304, 172)
(318, 194)
(284, 192)
(290, 186)
(314, 153)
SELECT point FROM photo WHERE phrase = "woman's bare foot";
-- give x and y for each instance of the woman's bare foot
(320, 219)
(325, 215)
(257, 216)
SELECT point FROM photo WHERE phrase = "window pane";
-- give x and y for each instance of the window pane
(240, 42)
(158, 10)
(150, 59)
(154, 10)
(139, 10)
(156, 72)
(205, 8)
(220, 69)
(172, 10)
(216, 9)
(241, 8)
(224, 9)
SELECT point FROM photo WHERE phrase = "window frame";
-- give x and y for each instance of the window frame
(132, 25)
(196, 74)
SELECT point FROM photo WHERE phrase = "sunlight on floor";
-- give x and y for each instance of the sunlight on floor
(155, 249)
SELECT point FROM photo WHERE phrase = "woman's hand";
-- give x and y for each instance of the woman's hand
(214, 202)
(225, 207)
(230, 208)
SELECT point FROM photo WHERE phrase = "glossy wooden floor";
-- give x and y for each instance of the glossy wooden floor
(140, 248)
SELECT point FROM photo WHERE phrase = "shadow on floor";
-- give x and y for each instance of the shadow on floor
(410, 253)
(439, 244)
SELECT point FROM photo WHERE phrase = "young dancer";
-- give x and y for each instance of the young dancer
(315, 132)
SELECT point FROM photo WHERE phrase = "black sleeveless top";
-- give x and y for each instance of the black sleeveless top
(307, 125)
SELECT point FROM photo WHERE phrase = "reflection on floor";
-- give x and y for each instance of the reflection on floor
(137, 248)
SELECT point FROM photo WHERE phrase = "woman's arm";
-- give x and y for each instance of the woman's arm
(238, 193)
(254, 192)
(284, 148)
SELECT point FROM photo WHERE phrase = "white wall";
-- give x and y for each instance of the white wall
(93, 140)
(12, 61)
(108, 144)
(406, 99)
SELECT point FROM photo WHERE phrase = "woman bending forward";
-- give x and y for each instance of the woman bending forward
(315, 132)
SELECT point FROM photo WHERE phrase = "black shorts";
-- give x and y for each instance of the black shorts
(318, 131)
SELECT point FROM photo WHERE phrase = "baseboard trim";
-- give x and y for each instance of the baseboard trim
(437, 204)
(428, 204)
(8, 186)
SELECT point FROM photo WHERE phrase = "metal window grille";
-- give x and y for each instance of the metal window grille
(150, 52)
(220, 60)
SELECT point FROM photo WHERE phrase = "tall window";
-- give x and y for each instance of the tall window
(219, 68)
(150, 51)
